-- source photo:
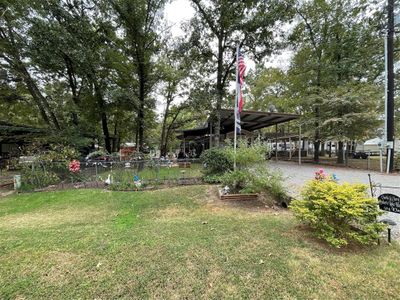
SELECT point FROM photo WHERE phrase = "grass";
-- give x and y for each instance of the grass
(175, 243)
(162, 173)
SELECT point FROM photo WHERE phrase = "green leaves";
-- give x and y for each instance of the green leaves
(216, 161)
(339, 213)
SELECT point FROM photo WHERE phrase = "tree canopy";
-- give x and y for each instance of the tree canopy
(113, 72)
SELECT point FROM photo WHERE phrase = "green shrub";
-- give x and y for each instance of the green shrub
(212, 178)
(397, 161)
(256, 180)
(96, 154)
(236, 180)
(339, 213)
(216, 161)
(247, 155)
(38, 177)
(266, 181)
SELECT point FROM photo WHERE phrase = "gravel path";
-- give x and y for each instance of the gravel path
(296, 176)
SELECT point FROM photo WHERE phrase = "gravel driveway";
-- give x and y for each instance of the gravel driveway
(297, 175)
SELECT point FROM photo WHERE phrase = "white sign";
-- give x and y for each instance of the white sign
(396, 20)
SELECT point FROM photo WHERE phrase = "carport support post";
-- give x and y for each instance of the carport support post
(299, 144)
(388, 160)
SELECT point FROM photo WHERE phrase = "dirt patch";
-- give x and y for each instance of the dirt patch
(62, 266)
(4, 193)
(264, 203)
(51, 218)
(172, 212)
(306, 234)
(212, 194)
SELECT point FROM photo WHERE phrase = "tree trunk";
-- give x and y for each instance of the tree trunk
(340, 153)
(140, 124)
(142, 98)
(37, 96)
(106, 133)
(39, 99)
(103, 115)
(51, 112)
(73, 85)
(316, 151)
(136, 137)
(115, 145)
(317, 137)
(220, 93)
(163, 143)
(330, 149)
(322, 149)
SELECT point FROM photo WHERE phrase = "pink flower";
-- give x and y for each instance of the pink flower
(74, 166)
(320, 175)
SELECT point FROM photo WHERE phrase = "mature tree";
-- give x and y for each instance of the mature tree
(16, 104)
(74, 41)
(140, 20)
(14, 58)
(221, 25)
(350, 112)
(336, 42)
(269, 86)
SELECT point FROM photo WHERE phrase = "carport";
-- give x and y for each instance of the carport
(250, 121)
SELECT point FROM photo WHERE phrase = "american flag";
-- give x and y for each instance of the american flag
(241, 69)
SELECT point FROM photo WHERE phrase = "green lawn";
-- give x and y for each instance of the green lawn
(175, 243)
(160, 173)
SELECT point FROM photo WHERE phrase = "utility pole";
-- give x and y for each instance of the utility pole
(390, 87)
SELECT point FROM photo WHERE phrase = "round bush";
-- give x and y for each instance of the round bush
(339, 213)
(216, 161)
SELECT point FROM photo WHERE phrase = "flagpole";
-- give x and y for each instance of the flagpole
(236, 107)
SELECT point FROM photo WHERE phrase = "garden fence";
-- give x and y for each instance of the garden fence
(119, 175)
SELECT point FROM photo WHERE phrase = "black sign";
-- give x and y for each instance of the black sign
(389, 202)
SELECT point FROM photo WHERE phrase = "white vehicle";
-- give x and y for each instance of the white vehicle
(373, 146)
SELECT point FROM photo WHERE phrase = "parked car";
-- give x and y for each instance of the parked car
(358, 155)
(97, 156)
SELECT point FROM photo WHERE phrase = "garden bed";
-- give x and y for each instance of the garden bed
(71, 185)
(237, 197)
(152, 185)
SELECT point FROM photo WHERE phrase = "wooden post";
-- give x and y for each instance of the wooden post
(300, 146)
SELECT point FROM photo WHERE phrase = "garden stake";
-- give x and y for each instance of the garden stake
(389, 235)
(370, 185)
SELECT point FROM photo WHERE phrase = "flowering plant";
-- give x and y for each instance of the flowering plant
(74, 166)
(321, 175)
